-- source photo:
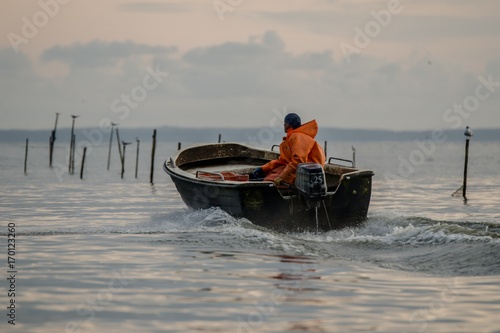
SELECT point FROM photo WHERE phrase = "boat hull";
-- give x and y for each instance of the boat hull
(266, 206)
(345, 204)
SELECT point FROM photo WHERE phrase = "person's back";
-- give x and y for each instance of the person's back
(299, 146)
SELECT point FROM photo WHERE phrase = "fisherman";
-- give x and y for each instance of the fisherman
(298, 146)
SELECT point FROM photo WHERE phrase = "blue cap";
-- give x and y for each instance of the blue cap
(293, 119)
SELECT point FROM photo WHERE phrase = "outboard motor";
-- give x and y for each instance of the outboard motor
(310, 181)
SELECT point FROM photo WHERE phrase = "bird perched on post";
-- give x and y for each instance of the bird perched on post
(468, 132)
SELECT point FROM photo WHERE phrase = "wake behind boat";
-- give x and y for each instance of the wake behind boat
(218, 175)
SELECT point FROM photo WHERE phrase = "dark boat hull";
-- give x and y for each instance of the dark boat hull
(346, 203)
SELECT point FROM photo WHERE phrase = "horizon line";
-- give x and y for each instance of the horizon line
(250, 127)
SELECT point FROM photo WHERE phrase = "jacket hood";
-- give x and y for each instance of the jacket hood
(310, 128)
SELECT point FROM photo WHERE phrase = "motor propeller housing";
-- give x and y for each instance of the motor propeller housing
(310, 181)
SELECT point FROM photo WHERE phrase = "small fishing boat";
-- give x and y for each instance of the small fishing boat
(219, 175)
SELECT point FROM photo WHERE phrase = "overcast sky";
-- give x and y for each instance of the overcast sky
(377, 64)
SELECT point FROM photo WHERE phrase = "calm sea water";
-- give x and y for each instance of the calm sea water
(106, 254)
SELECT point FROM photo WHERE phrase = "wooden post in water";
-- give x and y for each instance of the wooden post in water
(178, 146)
(353, 156)
(125, 144)
(83, 162)
(119, 144)
(70, 153)
(326, 154)
(73, 157)
(137, 158)
(153, 157)
(71, 166)
(110, 141)
(468, 134)
(123, 160)
(53, 140)
(220, 137)
(51, 147)
(26, 158)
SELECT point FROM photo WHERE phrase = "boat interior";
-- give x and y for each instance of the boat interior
(224, 162)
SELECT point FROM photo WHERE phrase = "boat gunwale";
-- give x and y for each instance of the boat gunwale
(175, 170)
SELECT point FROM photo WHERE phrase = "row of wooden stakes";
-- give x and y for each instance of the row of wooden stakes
(121, 149)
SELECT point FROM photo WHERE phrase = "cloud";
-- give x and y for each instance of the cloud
(156, 7)
(441, 27)
(232, 53)
(272, 40)
(239, 84)
(416, 21)
(258, 67)
(99, 53)
(14, 65)
(24, 94)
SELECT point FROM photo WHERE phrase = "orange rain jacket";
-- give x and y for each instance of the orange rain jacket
(297, 147)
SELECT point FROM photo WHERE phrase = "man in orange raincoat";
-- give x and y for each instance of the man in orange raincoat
(299, 146)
